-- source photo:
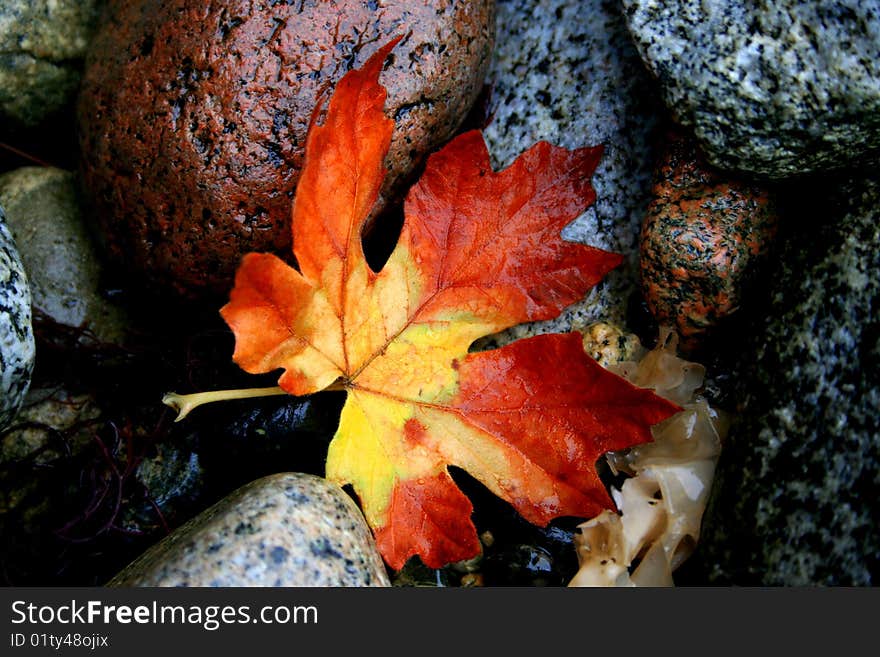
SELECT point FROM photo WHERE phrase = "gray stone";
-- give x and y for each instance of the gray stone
(42, 45)
(565, 71)
(31, 89)
(58, 253)
(48, 413)
(172, 478)
(795, 501)
(17, 347)
(288, 529)
(771, 88)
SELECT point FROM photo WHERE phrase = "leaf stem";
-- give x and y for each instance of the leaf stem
(183, 404)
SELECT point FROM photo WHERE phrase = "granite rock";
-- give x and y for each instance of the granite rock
(17, 347)
(706, 236)
(193, 117)
(566, 72)
(42, 45)
(770, 88)
(288, 529)
(62, 261)
(795, 501)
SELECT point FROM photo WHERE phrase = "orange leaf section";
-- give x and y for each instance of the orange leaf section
(283, 318)
(479, 251)
(537, 415)
(555, 411)
(494, 237)
(430, 517)
(343, 174)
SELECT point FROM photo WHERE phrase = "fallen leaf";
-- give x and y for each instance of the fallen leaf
(479, 252)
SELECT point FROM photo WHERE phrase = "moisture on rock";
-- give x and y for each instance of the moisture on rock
(705, 237)
(795, 503)
(193, 117)
(17, 346)
(288, 529)
(771, 88)
(58, 252)
(42, 45)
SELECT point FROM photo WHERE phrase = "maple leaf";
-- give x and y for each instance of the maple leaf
(480, 251)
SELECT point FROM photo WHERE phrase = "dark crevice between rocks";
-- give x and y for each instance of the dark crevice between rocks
(52, 144)
(91, 497)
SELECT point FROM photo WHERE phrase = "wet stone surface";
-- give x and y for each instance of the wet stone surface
(193, 118)
(42, 47)
(284, 530)
(705, 238)
(16, 333)
(95, 475)
(798, 476)
(772, 88)
(63, 264)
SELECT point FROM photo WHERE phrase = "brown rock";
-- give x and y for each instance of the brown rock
(703, 242)
(193, 116)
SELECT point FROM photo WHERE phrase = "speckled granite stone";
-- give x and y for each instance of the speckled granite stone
(59, 255)
(796, 499)
(705, 238)
(288, 529)
(565, 71)
(773, 88)
(42, 44)
(16, 333)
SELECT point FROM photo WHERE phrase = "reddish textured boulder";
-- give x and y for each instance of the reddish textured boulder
(702, 243)
(193, 116)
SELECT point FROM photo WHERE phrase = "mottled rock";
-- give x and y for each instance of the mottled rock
(42, 45)
(795, 501)
(17, 345)
(771, 88)
(193, 117)
(58, 252)
(608, 345)
(566, 72)
(288, 529)
(705, 237)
